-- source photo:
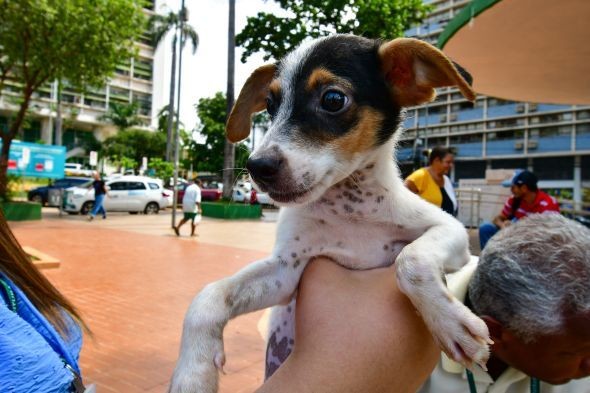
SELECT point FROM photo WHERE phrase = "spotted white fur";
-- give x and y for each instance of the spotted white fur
(356, 212)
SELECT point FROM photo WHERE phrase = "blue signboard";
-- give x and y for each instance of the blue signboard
(35, 160)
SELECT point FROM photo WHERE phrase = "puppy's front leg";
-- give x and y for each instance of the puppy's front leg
(460, 333)
(262, 284)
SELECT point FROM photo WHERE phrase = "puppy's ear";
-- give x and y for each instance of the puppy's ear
(252, 99)
(415, 68)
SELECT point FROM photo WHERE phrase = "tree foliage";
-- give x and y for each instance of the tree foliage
(276, 35)
(209, 156)
(71, 40)
(162, 169)
(132, 145)
(123, 116)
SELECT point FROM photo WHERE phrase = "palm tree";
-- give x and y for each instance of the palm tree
(123, 116)
(159, 27)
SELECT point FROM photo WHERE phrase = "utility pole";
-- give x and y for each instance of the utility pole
(229, 148)
(183, 19)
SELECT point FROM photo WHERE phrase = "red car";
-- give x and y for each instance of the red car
(207, 194)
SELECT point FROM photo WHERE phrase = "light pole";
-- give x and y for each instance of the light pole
(183, 19)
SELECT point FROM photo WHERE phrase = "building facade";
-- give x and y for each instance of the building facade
(83, 114)
(551, 140)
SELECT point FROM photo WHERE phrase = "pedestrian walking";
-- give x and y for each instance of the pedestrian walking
(100, 191)
(191, 206)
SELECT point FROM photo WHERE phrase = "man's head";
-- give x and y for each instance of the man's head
(531, 288)
(524, 182)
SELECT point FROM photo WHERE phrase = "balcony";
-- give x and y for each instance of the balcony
(431, 120)
(548, 107)
(468, 149)
(502, 110)
(583, 141)
(550, 143)
(504, 147)
(469, 114)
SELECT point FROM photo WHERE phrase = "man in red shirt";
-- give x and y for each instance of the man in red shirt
(526, 199)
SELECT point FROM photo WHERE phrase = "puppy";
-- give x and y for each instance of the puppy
(328, 158)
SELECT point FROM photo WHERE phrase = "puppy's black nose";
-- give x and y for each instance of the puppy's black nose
(264, 169)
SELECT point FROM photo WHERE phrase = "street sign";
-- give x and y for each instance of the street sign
(93, 158)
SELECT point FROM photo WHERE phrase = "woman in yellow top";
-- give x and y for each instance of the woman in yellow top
(431, 182)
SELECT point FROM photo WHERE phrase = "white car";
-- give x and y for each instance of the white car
(74, 169)
(241, 192)
(132, 194)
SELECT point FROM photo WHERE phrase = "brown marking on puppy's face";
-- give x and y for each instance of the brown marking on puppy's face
(322, 77)
(362, 136)
(275, 88)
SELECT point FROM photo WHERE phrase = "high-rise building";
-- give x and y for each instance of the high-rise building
(551, 140)
(83, 113)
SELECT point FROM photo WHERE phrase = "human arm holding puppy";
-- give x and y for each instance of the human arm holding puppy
(355, 332)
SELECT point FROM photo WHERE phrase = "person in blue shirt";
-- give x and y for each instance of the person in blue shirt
(40, 330)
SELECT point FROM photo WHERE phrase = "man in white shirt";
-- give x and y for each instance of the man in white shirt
(532, 288)
(191, 206)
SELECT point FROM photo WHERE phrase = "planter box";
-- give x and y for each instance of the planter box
(21, 211)
(231, 211)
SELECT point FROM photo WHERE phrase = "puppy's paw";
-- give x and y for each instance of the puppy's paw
(461, 334)
(197, 370)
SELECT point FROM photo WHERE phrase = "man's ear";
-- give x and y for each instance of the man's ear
(415, 68)
(252, 99)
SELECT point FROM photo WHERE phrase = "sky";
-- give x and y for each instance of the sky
(205, 73)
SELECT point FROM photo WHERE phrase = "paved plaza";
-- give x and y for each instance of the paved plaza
(133, 280)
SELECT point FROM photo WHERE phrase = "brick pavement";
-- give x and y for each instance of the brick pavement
(133, 281)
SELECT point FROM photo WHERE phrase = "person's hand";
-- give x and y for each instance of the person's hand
(355, 332)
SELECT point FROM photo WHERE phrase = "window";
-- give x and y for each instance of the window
(135, 185)
(154, 186)
(509, 164)
(470, 169)
(492, 136)
(118, 186)
(554, 168)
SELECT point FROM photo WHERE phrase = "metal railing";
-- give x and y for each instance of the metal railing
(474, 199)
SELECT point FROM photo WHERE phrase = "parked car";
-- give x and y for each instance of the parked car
(262, 198)
(209, 192)
(241, 192)
(74, 169)
(41, 194)
(131, 194)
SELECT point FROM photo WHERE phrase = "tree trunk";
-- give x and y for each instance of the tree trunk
(170, 126)
(229, 149)
(7, 141)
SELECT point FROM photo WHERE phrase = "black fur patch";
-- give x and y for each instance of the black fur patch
(355, 60)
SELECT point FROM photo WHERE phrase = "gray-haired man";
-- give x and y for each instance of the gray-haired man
(532, 288)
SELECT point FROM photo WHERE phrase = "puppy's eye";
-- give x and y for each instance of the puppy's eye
(333, 101)
(271, 107)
